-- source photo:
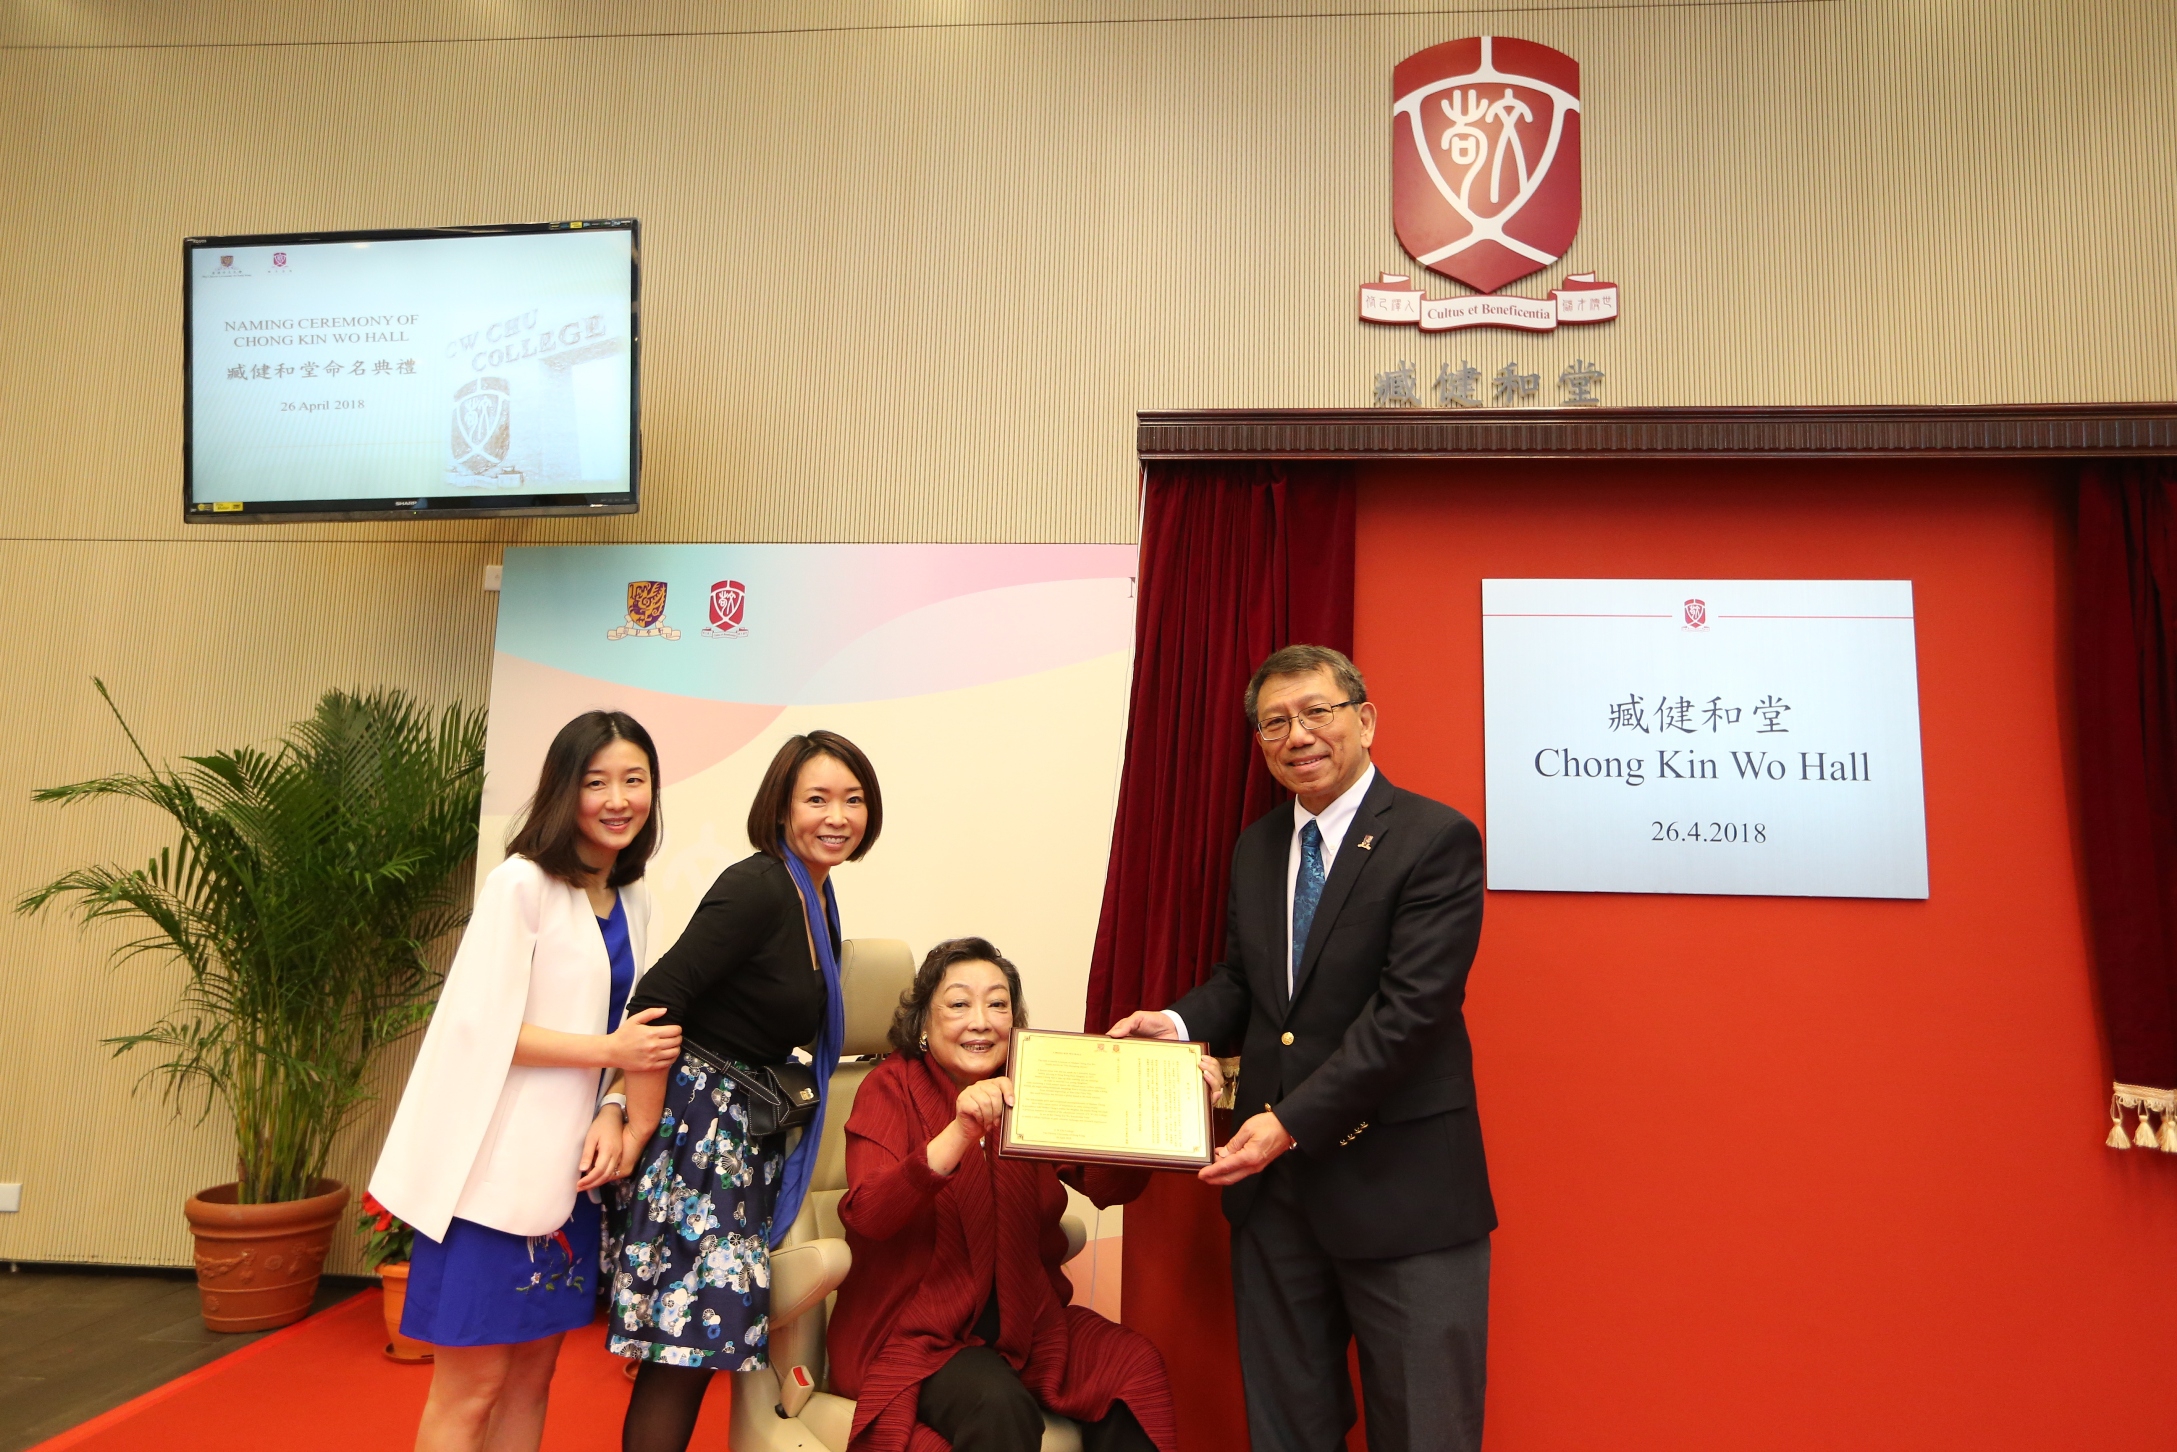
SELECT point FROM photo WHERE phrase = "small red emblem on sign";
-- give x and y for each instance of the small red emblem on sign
(279, 259)
(1485, 147)
(1696, 615)
(226, 259)
(729, 603)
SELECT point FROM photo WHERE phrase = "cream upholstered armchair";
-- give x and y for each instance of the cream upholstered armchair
(787, 1409)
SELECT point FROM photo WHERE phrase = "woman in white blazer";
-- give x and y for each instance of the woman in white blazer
(504, 1127)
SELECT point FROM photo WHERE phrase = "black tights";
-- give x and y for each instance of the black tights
(976, 1402)
(662, 1410)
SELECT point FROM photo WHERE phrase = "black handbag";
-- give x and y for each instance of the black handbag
(780, 1096)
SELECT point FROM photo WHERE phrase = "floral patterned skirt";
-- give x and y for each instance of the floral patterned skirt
(691, 1266)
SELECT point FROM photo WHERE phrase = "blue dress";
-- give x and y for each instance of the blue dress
(485, 1287)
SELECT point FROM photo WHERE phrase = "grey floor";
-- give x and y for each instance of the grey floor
(75, 1342)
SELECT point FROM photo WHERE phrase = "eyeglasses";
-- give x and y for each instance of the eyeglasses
(1315, 718)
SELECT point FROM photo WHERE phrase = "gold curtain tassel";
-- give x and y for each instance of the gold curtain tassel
(2117, 1138)
(2169, 1132)
(2144, 1135)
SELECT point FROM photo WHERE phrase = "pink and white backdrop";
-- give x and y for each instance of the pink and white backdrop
(987, 683)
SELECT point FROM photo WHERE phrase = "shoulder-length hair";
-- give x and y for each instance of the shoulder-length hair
(767, 814)
(549, 825)
(911, 1020)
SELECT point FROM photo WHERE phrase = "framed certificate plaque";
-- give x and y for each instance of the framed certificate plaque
(1092, 1099)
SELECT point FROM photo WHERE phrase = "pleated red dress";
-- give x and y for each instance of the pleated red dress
(927, 1250)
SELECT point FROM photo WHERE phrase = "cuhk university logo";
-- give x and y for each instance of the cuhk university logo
(645, 612)
(729, 604)
(1696, 615)
(279, 259)
(1485, 145)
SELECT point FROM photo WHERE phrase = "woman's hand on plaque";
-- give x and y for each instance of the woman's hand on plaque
(1213, 1074)
(981, 1106)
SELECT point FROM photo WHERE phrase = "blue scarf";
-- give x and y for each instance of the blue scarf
(831, 1035)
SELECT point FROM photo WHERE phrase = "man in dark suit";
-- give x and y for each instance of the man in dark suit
(1350, 927)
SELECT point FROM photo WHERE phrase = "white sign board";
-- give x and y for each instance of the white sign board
(1712, 736)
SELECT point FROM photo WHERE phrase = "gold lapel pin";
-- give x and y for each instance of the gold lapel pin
(1368, 842)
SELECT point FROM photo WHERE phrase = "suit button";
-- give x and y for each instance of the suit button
(1286, 1040)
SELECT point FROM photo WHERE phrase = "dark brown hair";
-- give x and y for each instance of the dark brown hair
(767, 814)
(1306, 660)
(548, 826)
(912, 1019)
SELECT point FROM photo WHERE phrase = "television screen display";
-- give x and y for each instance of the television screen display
(472, 370)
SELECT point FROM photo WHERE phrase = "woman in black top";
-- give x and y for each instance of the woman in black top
(746, 984)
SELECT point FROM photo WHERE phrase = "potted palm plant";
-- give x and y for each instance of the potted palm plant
(302, 896)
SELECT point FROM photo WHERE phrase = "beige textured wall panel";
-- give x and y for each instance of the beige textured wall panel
(913, 283)
(909, 271)
(204, 646)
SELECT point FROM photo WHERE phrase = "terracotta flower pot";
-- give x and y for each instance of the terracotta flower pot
(393, 1275)
(258, 1265)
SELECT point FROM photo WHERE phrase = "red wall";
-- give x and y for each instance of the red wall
(1792, 1173)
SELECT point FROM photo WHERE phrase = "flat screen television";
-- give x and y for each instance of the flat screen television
(412, 374)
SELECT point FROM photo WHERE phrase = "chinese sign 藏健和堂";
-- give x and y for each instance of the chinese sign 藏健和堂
(1714, 736)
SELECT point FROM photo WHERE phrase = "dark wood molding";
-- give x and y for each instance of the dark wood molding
(2056, 430)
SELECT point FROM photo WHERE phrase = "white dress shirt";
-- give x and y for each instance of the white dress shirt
(1332, 822)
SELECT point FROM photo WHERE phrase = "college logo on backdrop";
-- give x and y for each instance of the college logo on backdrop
(729, 606)
(1485, 186)
(645, 611)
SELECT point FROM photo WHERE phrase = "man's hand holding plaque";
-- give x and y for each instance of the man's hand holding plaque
(1091, 1098)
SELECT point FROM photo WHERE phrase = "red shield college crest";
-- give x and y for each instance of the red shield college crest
(1696, 615)
(1485, 158)
(729, 603)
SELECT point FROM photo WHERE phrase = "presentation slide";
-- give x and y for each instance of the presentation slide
(447, 367)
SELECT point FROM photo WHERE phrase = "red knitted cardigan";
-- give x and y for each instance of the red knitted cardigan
(926, 1251)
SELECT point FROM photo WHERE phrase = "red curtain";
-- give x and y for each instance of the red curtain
(1237, 560)
(2127, 733)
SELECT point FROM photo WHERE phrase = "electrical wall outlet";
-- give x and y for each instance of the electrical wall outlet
(11, 1198)
(491, 578)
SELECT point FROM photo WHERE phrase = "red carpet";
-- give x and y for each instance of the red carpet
(325, 1384)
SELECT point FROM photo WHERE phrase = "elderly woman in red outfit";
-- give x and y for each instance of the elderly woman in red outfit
(953, 1326)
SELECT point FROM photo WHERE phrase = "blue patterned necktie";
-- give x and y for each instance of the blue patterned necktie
(1307, 892)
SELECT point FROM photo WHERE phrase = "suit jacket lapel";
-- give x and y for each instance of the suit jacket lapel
(1352, 862)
